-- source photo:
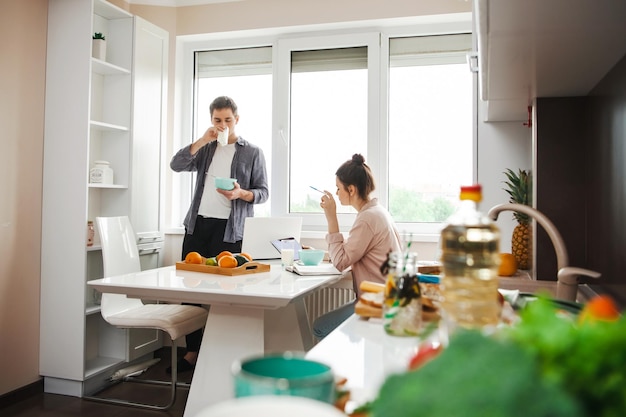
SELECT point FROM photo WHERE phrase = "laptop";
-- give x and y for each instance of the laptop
(259, 232)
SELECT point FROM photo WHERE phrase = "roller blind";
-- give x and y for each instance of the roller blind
(429, 50)
(232, 62)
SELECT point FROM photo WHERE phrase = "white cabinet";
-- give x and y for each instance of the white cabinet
(537, 48)
(149, 119)
(111, 110)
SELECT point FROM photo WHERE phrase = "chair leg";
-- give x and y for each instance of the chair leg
(173, 383)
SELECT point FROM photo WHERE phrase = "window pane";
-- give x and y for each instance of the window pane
(328, 121)
(241, 75)
(430, 131)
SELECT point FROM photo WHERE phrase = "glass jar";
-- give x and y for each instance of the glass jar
(402, 307)
(101, 173)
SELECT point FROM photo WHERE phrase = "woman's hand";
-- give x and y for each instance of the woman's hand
(329, 206)
(327, 203)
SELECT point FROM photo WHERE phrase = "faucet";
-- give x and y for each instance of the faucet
(567, 276)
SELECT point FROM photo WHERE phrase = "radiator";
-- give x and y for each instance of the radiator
(326, 299)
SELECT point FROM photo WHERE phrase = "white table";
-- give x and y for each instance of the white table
(360, 351)
(249, 314)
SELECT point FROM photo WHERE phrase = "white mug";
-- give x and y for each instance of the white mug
(222, 137)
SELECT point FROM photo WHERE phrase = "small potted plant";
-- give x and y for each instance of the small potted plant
(98, 46)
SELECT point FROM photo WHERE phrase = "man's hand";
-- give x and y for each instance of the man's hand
(209, 136)
(237, 193)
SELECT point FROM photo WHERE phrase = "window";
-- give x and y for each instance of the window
(430, 126)
(326, 109)
(245, 75)
(403, 100)
(328, 121)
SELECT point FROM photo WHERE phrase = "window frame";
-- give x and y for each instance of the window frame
(281, 117)
(374, 35)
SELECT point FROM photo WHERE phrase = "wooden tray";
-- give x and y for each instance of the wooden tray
(252, 267)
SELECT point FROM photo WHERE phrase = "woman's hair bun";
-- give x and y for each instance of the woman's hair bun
(357, 158)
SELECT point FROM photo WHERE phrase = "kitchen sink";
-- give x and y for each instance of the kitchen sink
(539, 286)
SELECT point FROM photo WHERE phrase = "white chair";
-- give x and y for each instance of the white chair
(120, 256)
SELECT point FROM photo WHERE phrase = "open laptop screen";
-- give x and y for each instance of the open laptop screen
(259, 232)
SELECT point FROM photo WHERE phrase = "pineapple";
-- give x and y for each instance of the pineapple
(519, 188)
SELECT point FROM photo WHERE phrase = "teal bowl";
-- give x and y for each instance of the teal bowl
(311, 257)
(284, 374)
(225, 183)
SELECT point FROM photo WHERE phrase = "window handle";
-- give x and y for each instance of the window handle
(282, 136)
(472, 61)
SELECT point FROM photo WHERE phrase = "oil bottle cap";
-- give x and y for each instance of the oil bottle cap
(472, 192)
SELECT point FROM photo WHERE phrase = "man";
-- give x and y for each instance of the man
(215, 220)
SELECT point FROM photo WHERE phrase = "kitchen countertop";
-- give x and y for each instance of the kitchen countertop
(617, 291)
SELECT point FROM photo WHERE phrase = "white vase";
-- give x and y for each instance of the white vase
(99, 49)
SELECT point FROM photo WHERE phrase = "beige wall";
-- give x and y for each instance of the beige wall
(23, 26)
(283, 13)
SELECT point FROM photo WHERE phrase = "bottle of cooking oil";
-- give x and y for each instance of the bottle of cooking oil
(470, 247)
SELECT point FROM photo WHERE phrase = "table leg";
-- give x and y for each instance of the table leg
(288, 328)
(231, 333)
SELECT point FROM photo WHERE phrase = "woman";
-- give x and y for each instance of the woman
(371, 237)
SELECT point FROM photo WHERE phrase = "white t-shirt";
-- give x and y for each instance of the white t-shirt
(214, 204)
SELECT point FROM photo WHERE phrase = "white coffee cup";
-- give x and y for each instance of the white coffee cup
(222, 137)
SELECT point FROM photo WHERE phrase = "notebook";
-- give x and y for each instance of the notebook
(258, 233)
(321, 269)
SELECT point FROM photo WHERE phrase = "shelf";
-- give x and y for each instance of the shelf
(92, 309)
(107, 127)
(100, 364)
(118, 103)
(105, 68)
(114, 186)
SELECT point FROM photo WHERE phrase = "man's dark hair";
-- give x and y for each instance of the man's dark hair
(223, 102)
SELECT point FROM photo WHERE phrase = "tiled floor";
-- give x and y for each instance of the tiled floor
(50, 405)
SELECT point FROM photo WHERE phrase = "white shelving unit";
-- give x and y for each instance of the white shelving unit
(95, 111)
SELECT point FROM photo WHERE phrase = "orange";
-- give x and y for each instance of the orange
(223, 253)
(246, 255)
(227, 261)
(600, 307)
(194, 258)
(508, 265)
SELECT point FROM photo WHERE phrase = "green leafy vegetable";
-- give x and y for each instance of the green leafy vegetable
(548, 364)
(588, 359)
(475, 376)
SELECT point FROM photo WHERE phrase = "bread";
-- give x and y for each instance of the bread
(369, 286)
(429, 267)
(372, 297)
(367, 311)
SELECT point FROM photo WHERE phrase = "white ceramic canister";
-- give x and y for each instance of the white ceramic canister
(101, 173)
